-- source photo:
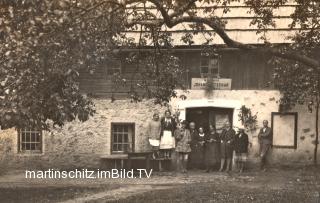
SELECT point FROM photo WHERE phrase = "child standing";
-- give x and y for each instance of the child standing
(183, 148)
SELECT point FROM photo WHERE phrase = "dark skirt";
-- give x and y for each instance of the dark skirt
(212, 153)
(197, 156)
(226, 151)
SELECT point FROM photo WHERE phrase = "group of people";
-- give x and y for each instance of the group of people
(196, 148)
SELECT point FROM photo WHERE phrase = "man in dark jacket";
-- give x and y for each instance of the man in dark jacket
(241, 143)
(265, 141)
(226, 146)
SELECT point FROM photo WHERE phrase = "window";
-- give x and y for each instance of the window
(30, 141)
(122, 137)
(209, 67)
(113, 67)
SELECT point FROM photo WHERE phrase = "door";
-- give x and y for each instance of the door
(203, 116)
(200, 116)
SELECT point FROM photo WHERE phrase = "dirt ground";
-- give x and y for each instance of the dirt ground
(276, 185)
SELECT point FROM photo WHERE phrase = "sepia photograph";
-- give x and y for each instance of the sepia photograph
(156, 101)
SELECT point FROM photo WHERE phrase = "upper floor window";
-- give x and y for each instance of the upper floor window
(113, 67)
(122, 137)
(30, 141)
(209, 67)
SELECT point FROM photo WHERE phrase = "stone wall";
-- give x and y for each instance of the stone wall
(80, 145)
(262, 102)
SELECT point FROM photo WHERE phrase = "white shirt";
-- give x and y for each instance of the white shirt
(167, 120)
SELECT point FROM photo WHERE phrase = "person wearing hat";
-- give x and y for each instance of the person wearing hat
(183, 140)
(241, 143)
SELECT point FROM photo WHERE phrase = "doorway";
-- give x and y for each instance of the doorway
(203, 116)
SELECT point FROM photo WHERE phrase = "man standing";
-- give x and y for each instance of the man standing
(265, 141)
(226, 147)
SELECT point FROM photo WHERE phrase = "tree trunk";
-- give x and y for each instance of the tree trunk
(317, 134)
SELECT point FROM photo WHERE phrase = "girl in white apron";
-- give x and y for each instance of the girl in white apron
(167, 140)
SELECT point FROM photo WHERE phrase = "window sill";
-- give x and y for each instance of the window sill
(30, 154)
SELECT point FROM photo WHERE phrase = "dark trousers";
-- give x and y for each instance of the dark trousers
(264, 150)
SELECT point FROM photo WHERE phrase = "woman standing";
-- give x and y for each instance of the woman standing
(183, 148)
(197, 147)
(241, 143)
(227, 138)
(167, 140)
(212, 149)
(153, 132)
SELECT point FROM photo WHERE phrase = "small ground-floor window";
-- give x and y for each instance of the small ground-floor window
(122, 137)
(29, 141)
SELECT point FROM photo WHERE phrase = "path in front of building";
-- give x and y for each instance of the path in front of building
(169, 181)
(122, 189)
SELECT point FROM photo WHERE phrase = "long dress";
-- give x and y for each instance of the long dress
(212, 149)
(197, 150)
(167, 140)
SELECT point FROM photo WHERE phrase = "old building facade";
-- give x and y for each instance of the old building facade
(241, 79)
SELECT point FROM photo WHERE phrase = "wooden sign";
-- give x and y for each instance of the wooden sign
(218, 83)
(284, 127)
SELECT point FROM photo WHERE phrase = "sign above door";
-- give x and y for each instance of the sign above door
(218, 83)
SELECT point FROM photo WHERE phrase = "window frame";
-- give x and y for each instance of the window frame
(208, 59)
(20, 142)
(129, 125)
(295, 115)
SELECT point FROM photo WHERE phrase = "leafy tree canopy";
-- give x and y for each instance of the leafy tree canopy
(45, 43)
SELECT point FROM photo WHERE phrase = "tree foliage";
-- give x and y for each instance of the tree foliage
(45, 44)
(299, 82)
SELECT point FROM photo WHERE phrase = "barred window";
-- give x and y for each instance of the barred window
(122, 137)
(30, 141)
(209, 67)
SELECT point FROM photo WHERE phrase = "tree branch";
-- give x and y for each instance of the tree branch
(215, 24)
(183, 9)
